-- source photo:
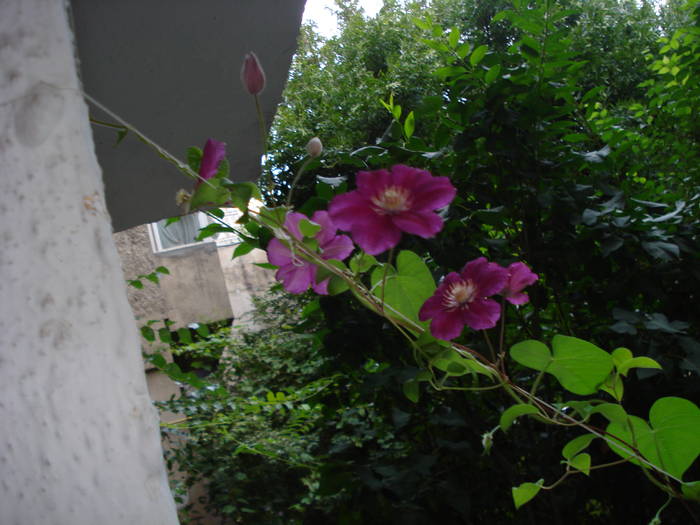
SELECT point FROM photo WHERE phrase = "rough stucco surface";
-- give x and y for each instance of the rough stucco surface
(244, 280)
(137, 258)
(79, 443)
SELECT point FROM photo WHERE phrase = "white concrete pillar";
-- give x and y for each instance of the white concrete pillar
(79, 440)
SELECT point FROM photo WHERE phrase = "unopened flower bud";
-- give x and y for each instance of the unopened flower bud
(252, 74)
(314, 147)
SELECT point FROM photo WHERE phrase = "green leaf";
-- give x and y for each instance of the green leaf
(532, 354)
(148, 334)
(163, 270)
(581, 462)
(184, 335)
(613, 385)
(273, 217)
(136, 284)
(525, 492)
(514, 412)
(453, 37)
(612, 411)
(691, 490)
(266, 266)
(396, 111)
(411, 390)
(478, 54)
(361, 262)
(492, 74)
(194, 158)
(209, 193)
(241, 193)
(578, 365)
(576, 445)
(409, 125)
(575, 137)
(309, 228)
(671, 442)
(242, 249)
(164, 335)
(409, 287)
(638, 362)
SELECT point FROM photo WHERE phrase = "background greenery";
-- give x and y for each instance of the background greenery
(569, 128)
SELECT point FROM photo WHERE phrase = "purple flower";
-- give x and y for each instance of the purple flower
(519, 276)
(214, 152)
(462, 299)
(252, 74)
(296, 273)
(387, 203)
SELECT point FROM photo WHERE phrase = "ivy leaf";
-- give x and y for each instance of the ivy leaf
(581, 462)
(576, 445)
(242, 249)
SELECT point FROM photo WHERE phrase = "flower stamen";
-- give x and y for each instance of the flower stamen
(459, 295)
(392, 200)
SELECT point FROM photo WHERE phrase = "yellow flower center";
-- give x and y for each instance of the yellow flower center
(459, 295)
(393, 200)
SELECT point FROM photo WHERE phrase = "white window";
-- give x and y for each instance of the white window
(177, 234)
(184, 232)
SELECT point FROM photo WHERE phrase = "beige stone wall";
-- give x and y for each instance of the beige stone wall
(243, 280)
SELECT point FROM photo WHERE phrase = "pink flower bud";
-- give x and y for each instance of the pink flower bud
(314, 147)
(252, 74)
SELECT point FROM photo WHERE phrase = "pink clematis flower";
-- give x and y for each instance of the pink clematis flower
(214, 152)
(387, 203)
(252, 74)
(296, 273)
(462, 299)
(519, 276)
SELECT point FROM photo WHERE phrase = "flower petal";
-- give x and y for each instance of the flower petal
(482, 314)
(214, 152)
(434, 194)
(322, 287)
(423, 224)
(338, 248)
(296, 279)
(278, 254)
(345, 209)
(447, 325)
(517, 298)
(369, 183)
(489, 277)
(328, 227)
(376, 235)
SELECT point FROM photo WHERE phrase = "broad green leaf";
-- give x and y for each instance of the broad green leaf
(273, 217)
(478, 54)
(409, 125)
(613, 412)
(576, 445)
(580, 367)
(163, 270)
(581, 462)
(525, 492)
(241, 193)
(620, 355)
(209, 193)
(514, 412)
(453, 37)
(638, 362)
(309, 228)
(396, 111)
(409, 287)
(672, 439)
(532, 354)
